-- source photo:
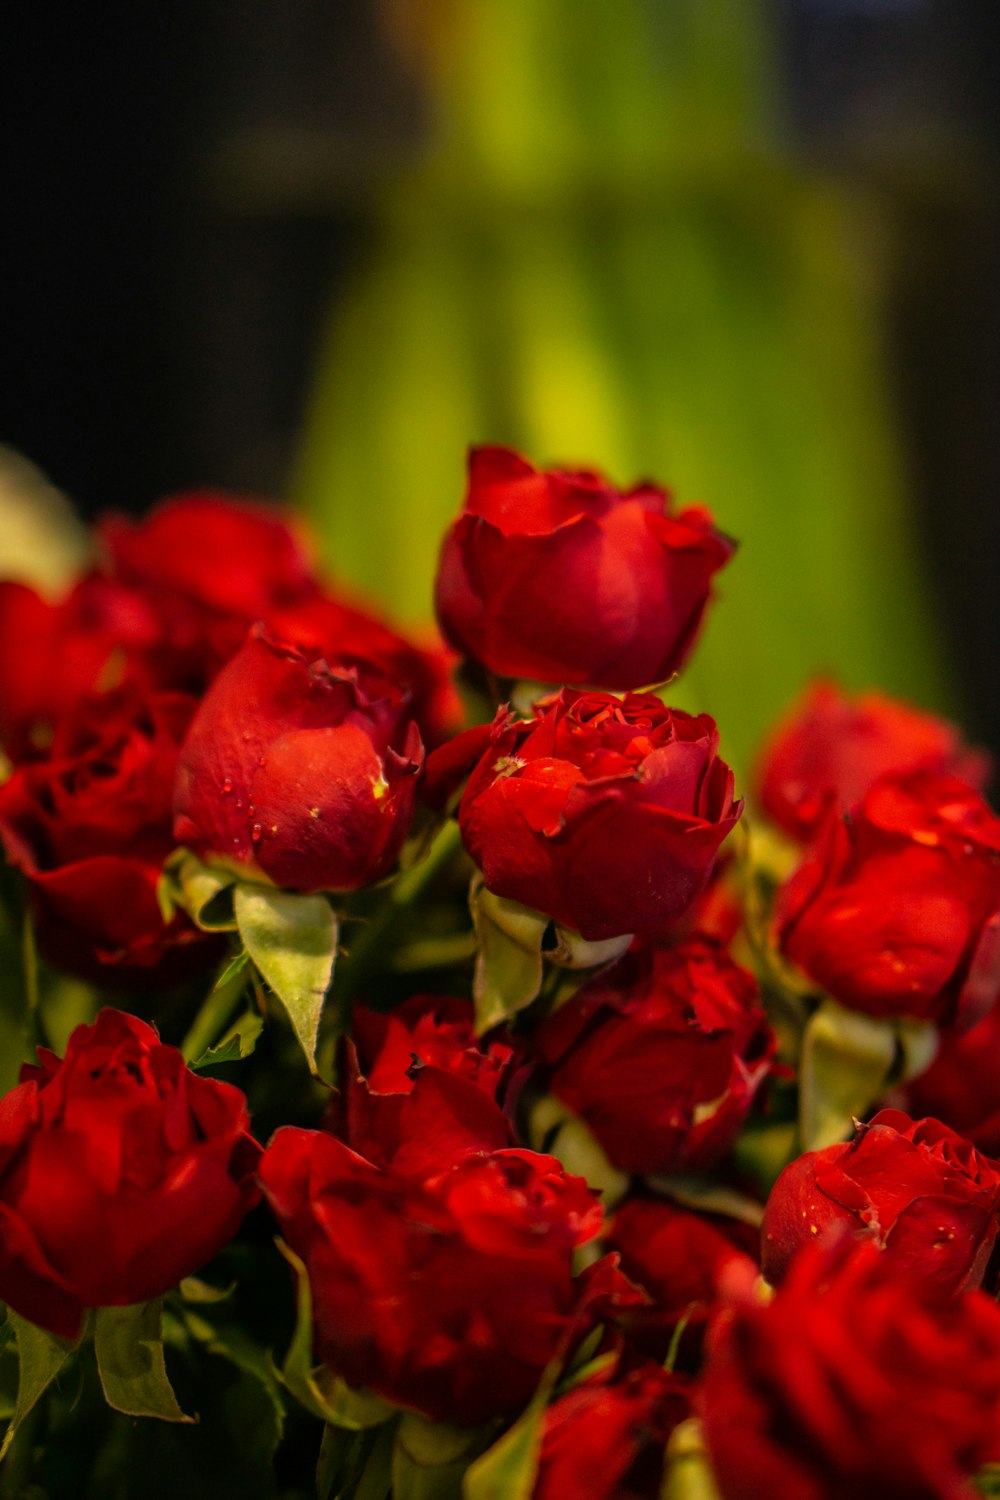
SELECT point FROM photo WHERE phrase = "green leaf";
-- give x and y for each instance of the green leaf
(987, 1481)
(292, 940)
(508, 1470)
(508, 973)
(847, 1059)
(355, 1465)
(316, 1387)
(237, 1044)
(128, 1343)
(41, 1355)
(429, 1459)
(687, 1474)
(203, 891)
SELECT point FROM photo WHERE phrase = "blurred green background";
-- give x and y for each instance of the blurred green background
(742, 248)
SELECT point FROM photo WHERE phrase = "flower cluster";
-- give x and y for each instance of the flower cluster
(665, 1169)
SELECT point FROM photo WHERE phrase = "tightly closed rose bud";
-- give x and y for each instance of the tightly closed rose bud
(605, 1439)
(830, 749)
(606, 815)
(558, 577)
(852, 1381)
(452, 1299)
(896, 911)
(298, 772)
(120, 1173)
(678, 1257)
(661, 1056)
(89, 824)
(919, 1191)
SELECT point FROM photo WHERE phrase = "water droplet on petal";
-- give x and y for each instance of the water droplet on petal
(256, 833)
(227, 786)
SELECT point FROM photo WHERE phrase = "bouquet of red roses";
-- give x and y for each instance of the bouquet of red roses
(423, 1082)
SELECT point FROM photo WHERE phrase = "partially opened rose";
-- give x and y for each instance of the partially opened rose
(829, 749)
(661, 1056)
(121, 1172)
(920, 1192)
(89, 825)
(605, 814)
(854, 1381)
(556, 576)
(896, 910)
(451, 1300)
(298, 771)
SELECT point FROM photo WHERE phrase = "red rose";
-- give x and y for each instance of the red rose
(120, 1173)
(960, 1086)
(452, 1299)
(918, 1190)
(678, 1257)
(100, 636)
(661, 1056)
(298, 772)
(896, 912)
(90, 827)
(853, 1381)
(830, 749)
(559, 577)
(606, 815)
(605, 1439)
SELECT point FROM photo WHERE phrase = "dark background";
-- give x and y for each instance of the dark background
(160, 315)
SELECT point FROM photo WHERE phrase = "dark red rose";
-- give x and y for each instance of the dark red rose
(296, 771)
(896, 911)
(678, 1257)
(923, 1195)
(606, 815)
(120, 1173)
(90, 827)
(451, 1300)
(431, 1031)
(661, 1056)
(960, 1086)
(854, 1381)
(605, 1439)
(830, 749)
(100, 636)
(558, 577)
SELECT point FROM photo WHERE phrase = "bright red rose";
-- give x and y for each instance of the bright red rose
(450, 1300)
(90, 827)
(298, 772)
(919, 1191)
(960, 1086)
(120, 1173)
(605, 1439)
(558, 577)
(854, 1381)
(678, 1257)
(606, 815)
(830, 749)
(661, 1056)
(896, 911)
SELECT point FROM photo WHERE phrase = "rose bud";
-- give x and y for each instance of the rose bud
(558, 577)
(960, 1086)
(853, 1380)
(120, 1173)
(451, 1300)
(661, 1056)
(895, 911)
(830, 749)
(916, 1189)
(90, 826)
(298, 772)
(605, 1439)
(678, 1257)
(603, 814)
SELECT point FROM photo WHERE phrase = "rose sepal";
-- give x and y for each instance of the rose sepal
(687, 1474)
(41, 1355)
(128, 1345)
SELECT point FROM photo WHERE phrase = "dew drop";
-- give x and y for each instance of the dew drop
(251, 810)
(256, 833)
(262, 761)
(227, 786)
(239, 804)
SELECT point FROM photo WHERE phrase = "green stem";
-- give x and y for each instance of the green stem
(216, 1012)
